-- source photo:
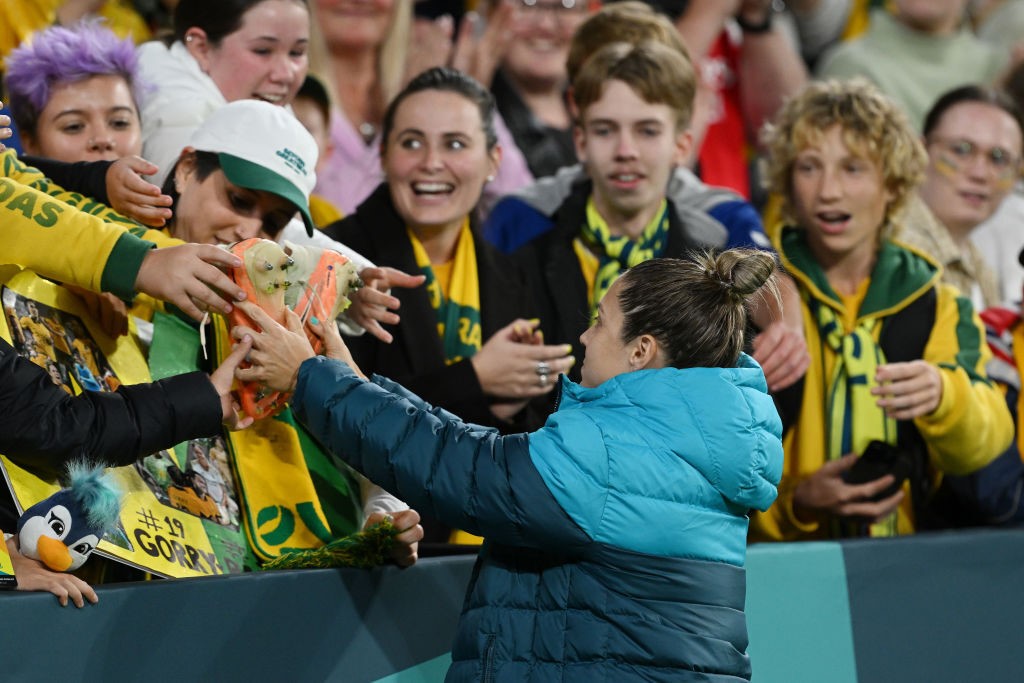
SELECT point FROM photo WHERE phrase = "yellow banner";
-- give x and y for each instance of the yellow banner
(180, 514)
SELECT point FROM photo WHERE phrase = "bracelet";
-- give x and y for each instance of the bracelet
(764, 27)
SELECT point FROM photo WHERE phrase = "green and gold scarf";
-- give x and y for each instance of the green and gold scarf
(293, 494)
(458, 313)
(617, 253)
(853, 418)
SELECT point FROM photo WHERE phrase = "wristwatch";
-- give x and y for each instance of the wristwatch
(762, 27)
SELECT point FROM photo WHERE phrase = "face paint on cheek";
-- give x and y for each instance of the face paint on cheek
(946, 165)
(1006, 179)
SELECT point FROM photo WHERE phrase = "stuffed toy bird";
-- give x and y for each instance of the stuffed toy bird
(62, 531)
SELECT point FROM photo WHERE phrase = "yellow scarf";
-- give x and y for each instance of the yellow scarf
(276, 462)
(458, 309)
(616, 253)
(853, 418)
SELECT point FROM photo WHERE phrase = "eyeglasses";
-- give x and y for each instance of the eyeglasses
(1002, 162)
(554, 7)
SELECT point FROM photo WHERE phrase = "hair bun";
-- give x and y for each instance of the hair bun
(742, 271)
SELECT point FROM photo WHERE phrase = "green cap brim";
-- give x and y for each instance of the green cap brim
(255, 177)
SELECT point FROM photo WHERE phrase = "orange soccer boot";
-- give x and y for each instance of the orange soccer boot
(320, 282)
(264, 277)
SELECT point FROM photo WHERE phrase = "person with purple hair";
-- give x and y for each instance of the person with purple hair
(73, 94)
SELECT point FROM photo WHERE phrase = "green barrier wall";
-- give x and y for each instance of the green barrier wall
(940, 607)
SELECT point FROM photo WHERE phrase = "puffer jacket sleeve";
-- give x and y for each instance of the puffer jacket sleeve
(468, 476)
(42, 427)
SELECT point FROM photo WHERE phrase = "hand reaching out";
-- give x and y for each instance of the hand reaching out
(106, 309)
(5, 130)
(223, 378)
(132, 195)
(371, 303)
(277, 352)
(188, 276)
(781, 350)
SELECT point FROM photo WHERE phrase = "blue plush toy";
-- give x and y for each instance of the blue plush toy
(62, 531)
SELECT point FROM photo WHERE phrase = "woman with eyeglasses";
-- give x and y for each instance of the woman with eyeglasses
(973, 138)
(897, 358)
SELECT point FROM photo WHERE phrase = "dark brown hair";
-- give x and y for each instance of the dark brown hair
(696, 308)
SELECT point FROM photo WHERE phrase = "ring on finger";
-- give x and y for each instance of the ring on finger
(544, 380)
(543, 369)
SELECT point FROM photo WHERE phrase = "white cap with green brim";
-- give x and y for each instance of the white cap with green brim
(262, 146)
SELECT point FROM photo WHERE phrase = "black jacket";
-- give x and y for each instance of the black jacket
(553, 271)
(415, 359)
(42, 427)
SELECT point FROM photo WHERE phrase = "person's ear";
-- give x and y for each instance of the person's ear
(684, 146)
(28, 143)
(579, 137)
(494, 155)
(198, 46)
(644, 351)
(184, 169)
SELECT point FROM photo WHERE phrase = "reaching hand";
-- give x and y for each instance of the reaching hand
(782, 352)
(223, 378)
(5, 130)
(132, 195)
(371, 303)
(825, 493)
(106, 309)
(277, 352)
(334, 347)
(188, 277)
(32, 575)
(406, 544)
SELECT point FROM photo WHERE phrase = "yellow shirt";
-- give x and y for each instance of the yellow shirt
(19, 19)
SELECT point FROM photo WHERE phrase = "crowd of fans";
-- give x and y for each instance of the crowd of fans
(493, 175)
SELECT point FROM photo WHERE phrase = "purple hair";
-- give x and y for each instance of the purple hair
(61, 55)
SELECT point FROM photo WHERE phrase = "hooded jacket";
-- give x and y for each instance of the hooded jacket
(616, 534)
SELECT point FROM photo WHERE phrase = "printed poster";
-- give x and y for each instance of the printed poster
(180, 515)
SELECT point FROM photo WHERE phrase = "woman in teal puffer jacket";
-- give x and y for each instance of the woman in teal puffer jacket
(616, 534)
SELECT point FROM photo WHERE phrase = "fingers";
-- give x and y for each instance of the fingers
(257, 315)
(839, 465)
(375, 297)
(218, 257)
(251, 374)
(782, 354)
(68, 587)
(142, 167)
(75, 594)
(872, 510)
(373, 327)
(406, 543)
(405, 519)
(908, 390)
(870, 489)
(240, 423)
(399, 278)
(237, 355)
(153, 216)
(292, 321)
